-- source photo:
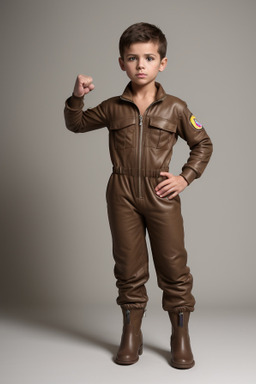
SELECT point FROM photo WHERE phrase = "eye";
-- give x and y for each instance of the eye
(131, 58)
(150, 58)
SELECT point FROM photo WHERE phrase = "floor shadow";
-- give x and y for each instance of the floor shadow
(85, 334)
(160, 351)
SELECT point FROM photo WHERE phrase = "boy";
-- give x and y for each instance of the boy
(144, 124)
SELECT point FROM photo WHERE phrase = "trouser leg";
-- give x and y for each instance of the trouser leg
(129, 249)
(166, 233)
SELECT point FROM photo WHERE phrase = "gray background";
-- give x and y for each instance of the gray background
(59, 322)
(56, 244)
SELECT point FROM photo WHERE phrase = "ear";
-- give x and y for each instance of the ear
(163, 64)
(121, 63)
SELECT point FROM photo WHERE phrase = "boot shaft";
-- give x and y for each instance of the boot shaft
(133, 318)
(179, 321)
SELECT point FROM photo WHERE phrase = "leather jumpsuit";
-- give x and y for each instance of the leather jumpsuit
(140, 148)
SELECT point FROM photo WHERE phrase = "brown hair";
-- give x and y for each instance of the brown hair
(143, 32)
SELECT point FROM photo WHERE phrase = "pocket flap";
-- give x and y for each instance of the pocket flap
(161, 123)
(122, 123)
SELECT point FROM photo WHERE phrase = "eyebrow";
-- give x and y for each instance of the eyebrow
(146, 54)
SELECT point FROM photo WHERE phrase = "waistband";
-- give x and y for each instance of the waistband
(136, 172)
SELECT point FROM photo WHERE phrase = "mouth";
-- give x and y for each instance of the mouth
(141, 75)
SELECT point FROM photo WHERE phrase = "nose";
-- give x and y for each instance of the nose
(140, 64)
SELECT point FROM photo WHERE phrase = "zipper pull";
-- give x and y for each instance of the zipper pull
(141, 118)
(180, 319)
(127, 315)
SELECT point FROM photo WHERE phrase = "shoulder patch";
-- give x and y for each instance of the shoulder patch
(195, 123)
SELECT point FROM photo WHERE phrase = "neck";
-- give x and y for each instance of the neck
(147, 91)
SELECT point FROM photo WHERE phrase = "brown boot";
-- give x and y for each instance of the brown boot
(131, 342)
(181, 353)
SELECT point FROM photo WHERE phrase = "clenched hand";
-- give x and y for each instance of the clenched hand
(83, 85)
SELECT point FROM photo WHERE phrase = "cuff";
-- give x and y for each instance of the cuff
(188, 174)
(75, 102)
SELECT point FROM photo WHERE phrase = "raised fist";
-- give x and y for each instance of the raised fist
(83, 85)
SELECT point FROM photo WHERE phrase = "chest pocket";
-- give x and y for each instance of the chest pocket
(122, 132)
(161, 133)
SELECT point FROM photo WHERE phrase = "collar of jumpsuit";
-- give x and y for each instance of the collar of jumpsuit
(128, 95)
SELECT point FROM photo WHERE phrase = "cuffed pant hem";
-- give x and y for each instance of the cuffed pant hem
(179, 309)
(133, 306)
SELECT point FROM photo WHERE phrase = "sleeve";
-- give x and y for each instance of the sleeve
(78, 120)
(199, 143)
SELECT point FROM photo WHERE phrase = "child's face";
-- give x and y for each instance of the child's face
(142, 62)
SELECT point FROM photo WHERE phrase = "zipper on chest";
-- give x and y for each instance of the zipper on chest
(140, 154)
(140, 143)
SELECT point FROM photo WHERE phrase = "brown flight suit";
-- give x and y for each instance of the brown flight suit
(140, 148)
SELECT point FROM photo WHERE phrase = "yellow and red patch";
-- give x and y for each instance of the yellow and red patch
(195, 123)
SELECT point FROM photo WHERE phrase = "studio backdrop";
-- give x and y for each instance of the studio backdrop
(56, 243)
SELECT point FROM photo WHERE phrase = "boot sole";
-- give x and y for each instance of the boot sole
(130, 362)
(182, 366)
